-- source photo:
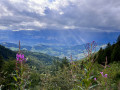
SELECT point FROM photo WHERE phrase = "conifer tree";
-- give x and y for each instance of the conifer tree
(116, 53)
(101, 56)
(1, 61)
(118, 39)
(108, 52)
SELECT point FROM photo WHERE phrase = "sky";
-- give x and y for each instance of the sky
(59, 21)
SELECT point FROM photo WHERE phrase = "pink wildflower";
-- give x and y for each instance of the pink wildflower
(17, 59)
(95, 79)
(20, 57)
(101, 73)
(105, 75)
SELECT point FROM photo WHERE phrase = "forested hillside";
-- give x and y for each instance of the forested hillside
(37, 71)
(33, 58)
(7, 53)
(111, 53)
(39, 60)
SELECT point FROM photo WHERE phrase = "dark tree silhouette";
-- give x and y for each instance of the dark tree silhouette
(118, 39)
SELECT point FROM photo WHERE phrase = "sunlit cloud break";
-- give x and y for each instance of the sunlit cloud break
(84, 15)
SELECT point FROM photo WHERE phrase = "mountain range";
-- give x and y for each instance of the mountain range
(60, 51)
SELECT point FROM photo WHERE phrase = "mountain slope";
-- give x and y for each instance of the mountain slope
(33, 58)
(61, 51)
(7, 53)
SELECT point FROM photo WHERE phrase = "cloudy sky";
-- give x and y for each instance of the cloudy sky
(85, 16)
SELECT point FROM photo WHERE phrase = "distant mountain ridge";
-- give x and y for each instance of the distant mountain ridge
(33, 58)
(61, 51)
(14, 46)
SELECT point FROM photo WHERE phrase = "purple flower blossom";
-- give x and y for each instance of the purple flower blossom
(20, 57)
(17, 59)
(101, 73)
(17, 55)
(95, 79)
(105, 75)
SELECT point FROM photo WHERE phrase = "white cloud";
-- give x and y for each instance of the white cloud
(4, 11)
(103, 46)
(3, 27)
(93, 15)
(61, 13)
(15, 30)
(70, 27)
(34, 23)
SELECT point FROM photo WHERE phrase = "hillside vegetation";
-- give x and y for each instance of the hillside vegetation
(98, 71)
(6, 53)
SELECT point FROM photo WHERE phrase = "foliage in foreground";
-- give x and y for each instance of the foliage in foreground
(62, 75)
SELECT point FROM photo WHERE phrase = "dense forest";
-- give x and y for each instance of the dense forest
(98, 70)
(6, 53)
(111, 52)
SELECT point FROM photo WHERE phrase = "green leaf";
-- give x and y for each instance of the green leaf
(86, 70)
(81, 88)
(15, 78)
(93, 86)
(91, 77)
